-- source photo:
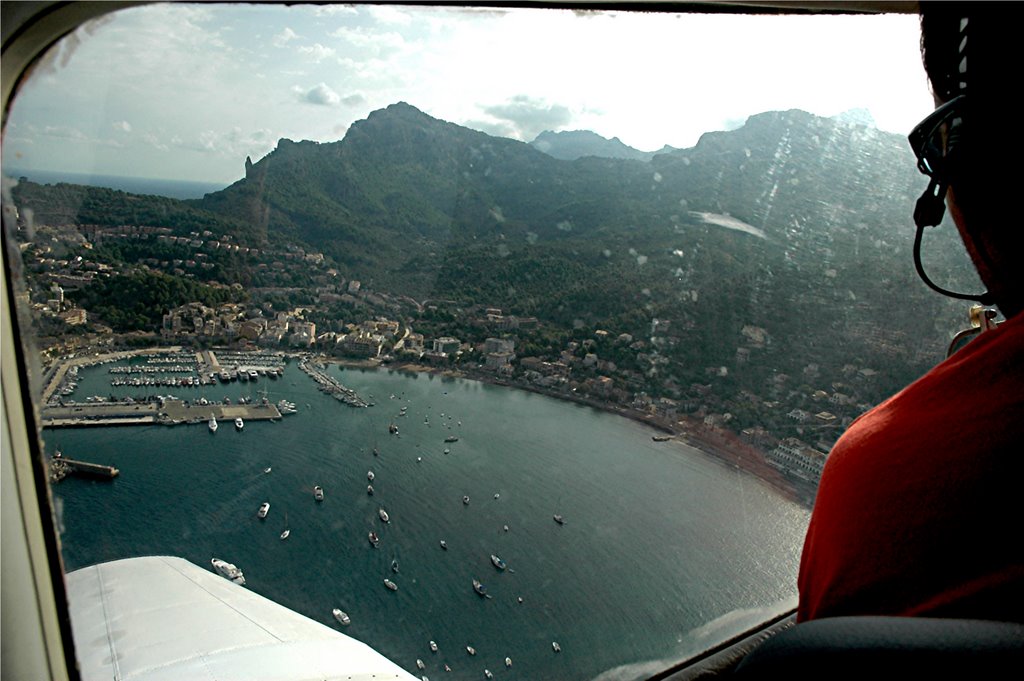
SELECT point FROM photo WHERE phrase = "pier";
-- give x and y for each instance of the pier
(332, 386)
(61, 467)
(177, 411)
(167, 412)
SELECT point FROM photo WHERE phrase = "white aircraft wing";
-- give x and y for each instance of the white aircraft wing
(162, 618)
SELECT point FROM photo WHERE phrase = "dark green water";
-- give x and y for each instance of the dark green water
(664, 552)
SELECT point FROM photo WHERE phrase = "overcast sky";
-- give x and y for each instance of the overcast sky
(187, 92)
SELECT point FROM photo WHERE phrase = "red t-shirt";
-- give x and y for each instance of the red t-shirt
(920, 510)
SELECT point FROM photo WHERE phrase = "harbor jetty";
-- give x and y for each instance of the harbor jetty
(164, 411)
(61, 467)
(331, 385)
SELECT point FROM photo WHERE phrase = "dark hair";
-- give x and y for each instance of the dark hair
(985, 181)
(944, 37)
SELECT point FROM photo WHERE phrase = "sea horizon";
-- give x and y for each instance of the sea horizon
(175, 189)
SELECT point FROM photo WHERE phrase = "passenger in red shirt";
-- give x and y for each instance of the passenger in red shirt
(919, 509)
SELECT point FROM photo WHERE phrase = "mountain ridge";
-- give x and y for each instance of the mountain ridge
(696, 252)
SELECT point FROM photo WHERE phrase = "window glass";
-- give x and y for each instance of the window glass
(548, 318)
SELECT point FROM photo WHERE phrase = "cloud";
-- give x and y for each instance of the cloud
(370, 42)
(318, 52)
(389, 15)
(282, 38)
(65, 132)
(156, 142)
(233, 143)
(122, 126)
(529, 117)
(332, 10)
(493, 128)
(355, 99)
(321, 95)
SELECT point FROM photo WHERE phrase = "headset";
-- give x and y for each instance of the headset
(938, 143)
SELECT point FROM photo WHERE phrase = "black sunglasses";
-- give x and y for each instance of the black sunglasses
(935, 137)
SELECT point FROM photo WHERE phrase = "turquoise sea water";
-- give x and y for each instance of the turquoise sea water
(664, 550)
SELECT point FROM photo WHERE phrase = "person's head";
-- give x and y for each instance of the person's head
(982, 197)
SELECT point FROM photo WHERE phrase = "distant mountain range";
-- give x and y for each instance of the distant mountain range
(571, 145)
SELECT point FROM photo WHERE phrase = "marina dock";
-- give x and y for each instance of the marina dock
(177, 369)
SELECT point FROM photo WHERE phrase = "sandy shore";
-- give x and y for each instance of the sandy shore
(723, 445)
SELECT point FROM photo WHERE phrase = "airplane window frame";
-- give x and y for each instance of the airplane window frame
(29, 30)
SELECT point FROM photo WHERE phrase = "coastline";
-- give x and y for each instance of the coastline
(725, 446)
(722, 445)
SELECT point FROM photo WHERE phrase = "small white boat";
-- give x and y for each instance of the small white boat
(433, 647)
(374, 539)
(498, 562)
(369, 490)
(497, 495)
(318, 493)
(471, 650)
(488, 674)
(465, 500)
(391, 585)
(384, 515)
(238, 423)
(264, 509)
(213, 424)
(419, 664)
(508, 661)
(559, 519)
(419, 459)
(228, 571)
(266, 470)
(555, 647)
(451, 438)
(341, 616)
(447, 451)
(444, 545)
(369, 476)
(285, 534)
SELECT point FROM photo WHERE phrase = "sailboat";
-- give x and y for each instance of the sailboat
(284, 535)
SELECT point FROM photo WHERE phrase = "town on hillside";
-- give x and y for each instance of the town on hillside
(790, 427)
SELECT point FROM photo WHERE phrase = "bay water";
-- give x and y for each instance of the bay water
(664, 551)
